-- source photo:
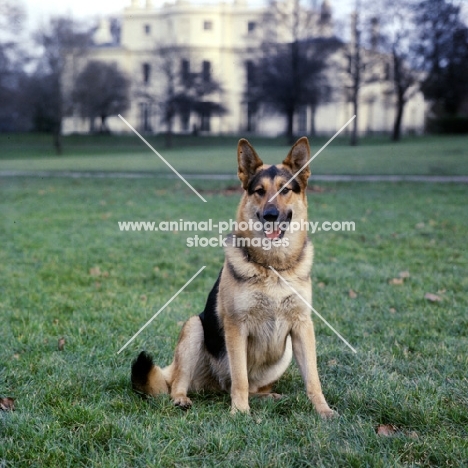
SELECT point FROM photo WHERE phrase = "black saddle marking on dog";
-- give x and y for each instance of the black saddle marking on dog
(212, 330)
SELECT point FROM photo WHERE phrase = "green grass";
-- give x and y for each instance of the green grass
(414, 155)
(75, 407)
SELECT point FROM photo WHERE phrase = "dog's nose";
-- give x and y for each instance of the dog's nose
(271, 213)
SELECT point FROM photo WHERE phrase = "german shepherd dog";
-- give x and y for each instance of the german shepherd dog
(253, 323)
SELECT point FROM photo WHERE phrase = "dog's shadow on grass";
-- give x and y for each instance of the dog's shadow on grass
(290, 387)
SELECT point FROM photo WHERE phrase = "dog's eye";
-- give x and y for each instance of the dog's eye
(285, 190)
(260, 192)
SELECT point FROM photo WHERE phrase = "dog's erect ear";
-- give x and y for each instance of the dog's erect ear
(248, 162)
(297, 157)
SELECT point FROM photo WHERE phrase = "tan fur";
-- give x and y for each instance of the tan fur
(264, 321)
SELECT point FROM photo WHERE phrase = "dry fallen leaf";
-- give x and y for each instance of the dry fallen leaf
(7, 404)
(321, 284)
(61, 344)
(352, 294)
(143, 297)
(95, 271)
(404, 274)
(332, 362)
(432, 297)
(413, 435)
(180, 323)
(441, 291)
(392, 310)
(396, 281)
(419, 225)
(386, 430)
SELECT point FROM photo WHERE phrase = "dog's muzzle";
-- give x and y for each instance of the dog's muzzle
(275, 223)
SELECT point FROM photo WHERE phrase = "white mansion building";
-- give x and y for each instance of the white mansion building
(221, 40)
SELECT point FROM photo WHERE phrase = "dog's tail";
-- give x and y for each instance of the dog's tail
(148, 378)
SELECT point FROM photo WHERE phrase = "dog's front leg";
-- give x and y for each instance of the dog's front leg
(303, 341)
(236, 346)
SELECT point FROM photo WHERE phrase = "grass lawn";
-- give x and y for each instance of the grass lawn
(427, 155)
(68, 272)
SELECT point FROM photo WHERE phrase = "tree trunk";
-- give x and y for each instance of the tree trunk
(313, 131)
(290, 125)
(103, 124)
(57, 137)
(396, 135)
(400, 88)
(168, 136)
(57, 142)
(354, 131)
(356, 79)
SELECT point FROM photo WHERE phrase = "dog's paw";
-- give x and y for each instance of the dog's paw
(327, 413)
(237, 410)
(182, 402)
(321, 406)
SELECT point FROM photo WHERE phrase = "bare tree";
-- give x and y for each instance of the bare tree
(397, 36)
(363, 58)
(442, 45)
(101, 90)
(291, 72)
(172, 100)
(12, 61)
(355, 69)
(61, 41)
(186, 92)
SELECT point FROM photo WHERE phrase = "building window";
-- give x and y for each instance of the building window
(185, 70)
(146, 73)
(207, 25)
(251, 26)
(145, 116)
(387, 71)
(206, 71)
(147, 28)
